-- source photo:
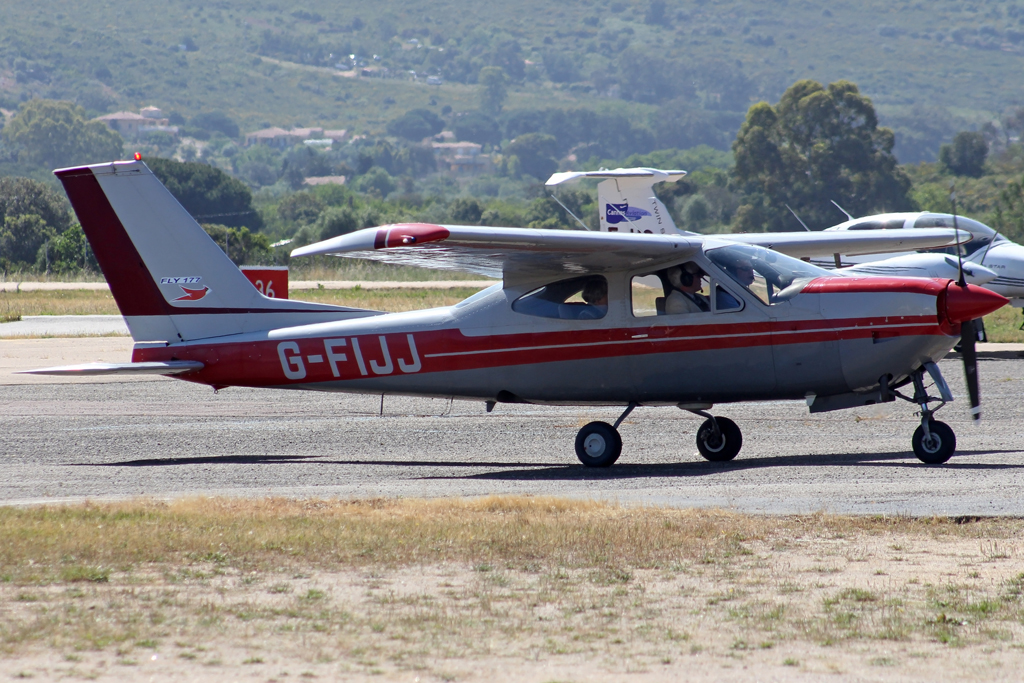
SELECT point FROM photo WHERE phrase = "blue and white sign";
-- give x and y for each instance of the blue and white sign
(622, 213)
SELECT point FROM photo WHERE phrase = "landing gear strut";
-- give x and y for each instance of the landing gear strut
(598, 444)
(934, 442)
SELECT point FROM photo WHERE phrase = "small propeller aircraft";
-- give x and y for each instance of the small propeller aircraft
(987, 251)
(579, 318)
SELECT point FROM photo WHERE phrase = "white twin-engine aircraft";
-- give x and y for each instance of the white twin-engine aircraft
(628, 204)
(579, 318)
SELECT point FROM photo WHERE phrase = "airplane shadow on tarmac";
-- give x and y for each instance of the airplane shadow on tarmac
(625, 470)
(525, 471)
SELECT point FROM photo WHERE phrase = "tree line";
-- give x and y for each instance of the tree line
(817, 144)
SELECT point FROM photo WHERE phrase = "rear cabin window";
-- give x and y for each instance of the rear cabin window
(580, 298)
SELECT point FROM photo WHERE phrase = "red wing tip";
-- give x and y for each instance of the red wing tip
(409, 234)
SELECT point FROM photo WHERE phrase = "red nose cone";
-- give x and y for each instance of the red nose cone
(970, 302)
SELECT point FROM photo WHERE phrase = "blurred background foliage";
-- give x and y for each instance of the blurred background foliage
(761, 105)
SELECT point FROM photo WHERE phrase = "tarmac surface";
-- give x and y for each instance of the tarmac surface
(68, 440)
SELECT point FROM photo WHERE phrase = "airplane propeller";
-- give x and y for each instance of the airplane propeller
(968, 330)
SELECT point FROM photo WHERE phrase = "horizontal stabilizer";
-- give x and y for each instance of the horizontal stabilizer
(170, 367)
(652, 174)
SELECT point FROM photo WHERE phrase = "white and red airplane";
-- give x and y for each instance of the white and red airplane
(579, 318)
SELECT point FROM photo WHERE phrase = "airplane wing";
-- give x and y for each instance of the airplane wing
(808, 244)
(500, 252)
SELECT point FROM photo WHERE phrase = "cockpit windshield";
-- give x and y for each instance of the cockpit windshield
(983, 235)
(770, 276)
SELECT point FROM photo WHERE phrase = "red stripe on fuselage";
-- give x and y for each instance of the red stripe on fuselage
(263, 363)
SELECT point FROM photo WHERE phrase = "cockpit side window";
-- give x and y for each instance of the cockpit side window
(770, 276)
(579, 298)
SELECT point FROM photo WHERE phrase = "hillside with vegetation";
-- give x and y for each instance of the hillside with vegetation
(711, 88)
(681, 72)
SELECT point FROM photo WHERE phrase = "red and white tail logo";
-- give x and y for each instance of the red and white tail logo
(193, 294)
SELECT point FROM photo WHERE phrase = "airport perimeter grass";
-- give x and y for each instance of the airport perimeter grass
(1002, 326)
(445, 586)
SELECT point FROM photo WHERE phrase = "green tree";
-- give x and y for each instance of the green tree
(966, 156)
(533, 154)
(207, 192)
(1009, 215)
(20, 239)
(475, 126)
(259, 165)
(465, 211)
(494, 89)
(376, 182)
(53, 133)
(30, 215)
(336, 220)
(68, 252)
(26, 196)
(243, 247)
(818, 144)
(416, 124)
(301, 208)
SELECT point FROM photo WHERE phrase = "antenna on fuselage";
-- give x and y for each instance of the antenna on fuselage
(845, 212)
(797, 218)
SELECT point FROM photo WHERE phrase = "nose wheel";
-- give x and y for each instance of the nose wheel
(935, 446)
(933, 442)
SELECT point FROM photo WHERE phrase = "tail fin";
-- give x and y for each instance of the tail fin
(171, 281)
(626, 200)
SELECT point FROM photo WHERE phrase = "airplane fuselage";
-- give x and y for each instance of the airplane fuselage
(835, 337)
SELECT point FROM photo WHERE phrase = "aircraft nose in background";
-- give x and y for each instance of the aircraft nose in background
(970, 302)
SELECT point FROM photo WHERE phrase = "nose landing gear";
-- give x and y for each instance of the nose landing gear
(934, 442)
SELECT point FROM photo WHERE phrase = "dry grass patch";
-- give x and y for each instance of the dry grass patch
(360, 588)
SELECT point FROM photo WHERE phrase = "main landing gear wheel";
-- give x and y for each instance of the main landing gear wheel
(598, 444)
(937, 446)
(719, 445)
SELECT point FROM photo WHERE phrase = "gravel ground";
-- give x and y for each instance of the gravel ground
(166, 438)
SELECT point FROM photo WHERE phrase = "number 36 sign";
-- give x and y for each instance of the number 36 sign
(271, 281)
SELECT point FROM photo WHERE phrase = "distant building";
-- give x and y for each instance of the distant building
(282, 139)
(131, 125)
(324, 180)
(461, 158)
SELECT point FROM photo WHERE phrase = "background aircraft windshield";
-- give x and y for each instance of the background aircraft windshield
(983, 235)
(770, 276)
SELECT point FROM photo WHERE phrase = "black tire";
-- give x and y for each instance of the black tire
(598, 444)
(939, 448)
(719, 449)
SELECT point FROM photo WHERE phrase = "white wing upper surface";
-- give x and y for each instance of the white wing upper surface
(504, 252)
(808, 244)
(521, 252)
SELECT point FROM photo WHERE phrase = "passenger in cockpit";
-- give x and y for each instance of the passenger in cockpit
(595, 294)
(685, 297)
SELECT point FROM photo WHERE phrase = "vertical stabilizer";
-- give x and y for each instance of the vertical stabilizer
(171, 281)
(626, 199)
